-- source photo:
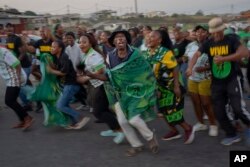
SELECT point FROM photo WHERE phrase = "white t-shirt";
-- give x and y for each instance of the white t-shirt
(94, 62)
(75, 55)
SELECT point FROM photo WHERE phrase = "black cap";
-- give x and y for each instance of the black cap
(202, 26)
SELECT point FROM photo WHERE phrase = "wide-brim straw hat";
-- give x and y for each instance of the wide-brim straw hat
(216, 24)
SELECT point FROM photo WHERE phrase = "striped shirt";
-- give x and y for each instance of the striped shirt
(8, 64)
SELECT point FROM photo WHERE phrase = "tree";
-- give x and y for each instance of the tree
(30, 13)
(199, 13)
(13, 11)
(175, 15)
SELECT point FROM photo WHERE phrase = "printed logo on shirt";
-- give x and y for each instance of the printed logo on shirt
(10, 45)
(45, 48)
(223, 70)
(219, 51)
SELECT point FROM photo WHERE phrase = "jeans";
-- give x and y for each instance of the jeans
(63, 102)
(183, 69)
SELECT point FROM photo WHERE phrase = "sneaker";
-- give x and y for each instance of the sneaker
(91, 109)
(189, 136)
(107, 133)
(205, 117)
(153, 144)
(230, 140)
(213, 130)
(248, 97)
(82, 123)
(200, 127)
(247, 137)
(28, 120)
(172, 135)
(133, 151)
(119, 137)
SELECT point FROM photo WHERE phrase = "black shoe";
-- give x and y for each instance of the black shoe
(98, 121)
(27, 107)
(39, 107)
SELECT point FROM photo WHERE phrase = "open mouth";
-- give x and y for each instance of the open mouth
(120, 43)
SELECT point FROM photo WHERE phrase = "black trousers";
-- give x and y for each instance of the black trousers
(231, 90)
(101, 109)
(11, 96)
(248, 71)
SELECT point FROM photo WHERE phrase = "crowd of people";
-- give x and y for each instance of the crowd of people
(130, 77)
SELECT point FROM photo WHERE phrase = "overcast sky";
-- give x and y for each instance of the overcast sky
(125, 6)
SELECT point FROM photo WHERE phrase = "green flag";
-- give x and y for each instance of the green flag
(133, 85)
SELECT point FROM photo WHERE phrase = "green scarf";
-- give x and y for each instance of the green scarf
(133, 85)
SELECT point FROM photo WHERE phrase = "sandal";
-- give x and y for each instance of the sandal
(133, 151)
(153, 145)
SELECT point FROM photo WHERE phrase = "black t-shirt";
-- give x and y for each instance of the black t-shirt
(14, 42)
(26, 61)
(43, 46)
(225, 47)
(180, 48)
(65, 65)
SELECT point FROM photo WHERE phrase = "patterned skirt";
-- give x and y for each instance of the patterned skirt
(171, 106)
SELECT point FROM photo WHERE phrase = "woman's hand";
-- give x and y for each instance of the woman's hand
(177, 91)
(188, 72)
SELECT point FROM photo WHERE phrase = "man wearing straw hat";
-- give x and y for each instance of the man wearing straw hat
(224, 52)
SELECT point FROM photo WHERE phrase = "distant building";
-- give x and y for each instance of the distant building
(155, 14)
(112, 25)
(129, 15)
(66, 20)
(20, 22)
(105, 14)
(245, 14)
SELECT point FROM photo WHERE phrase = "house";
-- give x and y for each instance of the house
(129, 15)
(112, 25)
(155, 14)
(66, 20)
(245, 14)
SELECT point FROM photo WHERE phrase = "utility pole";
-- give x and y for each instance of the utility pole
(96, 7)
(136, 7)
(232, 8)
(68, 13)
